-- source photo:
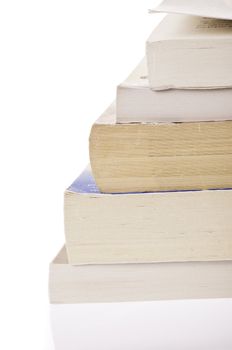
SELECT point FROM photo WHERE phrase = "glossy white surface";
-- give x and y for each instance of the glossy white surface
(172, 325)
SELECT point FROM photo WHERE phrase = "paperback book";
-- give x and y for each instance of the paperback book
(145, 227)
(206, 8)
(137, 282)
(141, 157)
(137, 103)
(188, 52)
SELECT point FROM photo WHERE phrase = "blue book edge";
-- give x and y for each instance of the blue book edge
(85, 183)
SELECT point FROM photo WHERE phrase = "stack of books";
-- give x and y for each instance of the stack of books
(151, 218)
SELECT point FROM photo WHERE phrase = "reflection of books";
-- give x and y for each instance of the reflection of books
(169, 325)
(138, 282)
(160, 156)
(146, 227)
(136, 102)
(207, 8)
(190, 52)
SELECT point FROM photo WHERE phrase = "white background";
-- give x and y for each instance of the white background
(60, 62)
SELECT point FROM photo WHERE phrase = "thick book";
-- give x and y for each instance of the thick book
(147, 157)
(189, 52)
(161, 325)
(145, 227)
(137, 282)
(207, 8)
(137, 103)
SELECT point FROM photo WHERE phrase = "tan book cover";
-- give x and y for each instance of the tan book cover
(140, 157)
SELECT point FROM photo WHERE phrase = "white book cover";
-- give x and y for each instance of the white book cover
(137, 103)
(205, 8)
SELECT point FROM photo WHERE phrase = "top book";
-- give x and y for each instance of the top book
(188, 52)
(206, 8)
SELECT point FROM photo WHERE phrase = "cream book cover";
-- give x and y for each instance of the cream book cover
(137, 282)
(145, 227)
(189, 52)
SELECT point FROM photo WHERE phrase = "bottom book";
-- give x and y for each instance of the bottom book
(138, 282)
(157, 325)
